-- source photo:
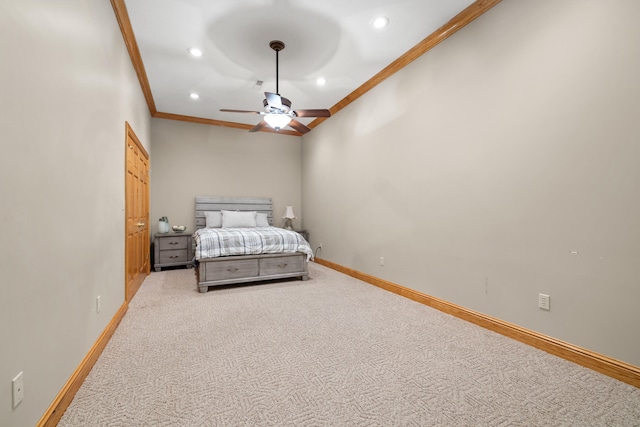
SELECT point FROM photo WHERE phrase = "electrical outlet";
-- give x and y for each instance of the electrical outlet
(320, 246)
(98, 304)
(382, 261)
(17, 385)
(544, 301)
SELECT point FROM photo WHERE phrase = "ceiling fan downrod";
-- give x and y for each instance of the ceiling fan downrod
(277, 45)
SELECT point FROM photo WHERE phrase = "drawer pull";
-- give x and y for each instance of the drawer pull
(282, 265)
(232, 269)
(174, 243)
(174, 256)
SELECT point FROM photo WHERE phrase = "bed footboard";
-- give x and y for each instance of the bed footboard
(250, 268)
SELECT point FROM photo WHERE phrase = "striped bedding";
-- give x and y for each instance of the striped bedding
(219, 242)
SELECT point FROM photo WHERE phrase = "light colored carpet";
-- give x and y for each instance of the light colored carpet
(331, 351)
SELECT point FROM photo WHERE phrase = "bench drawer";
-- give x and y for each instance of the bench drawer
(223, 270)
(279, 265)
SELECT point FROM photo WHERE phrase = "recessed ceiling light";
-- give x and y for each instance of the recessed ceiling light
(380, 22)
(194, 51)
(194, 95)
(321, 81)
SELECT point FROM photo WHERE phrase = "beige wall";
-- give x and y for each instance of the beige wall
(504, 149)
(477, 170)
(192, 160)
(67, 88)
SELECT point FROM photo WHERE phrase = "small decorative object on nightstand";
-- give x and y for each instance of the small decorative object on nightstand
(172, 249)
(163, 225)
(288, 217)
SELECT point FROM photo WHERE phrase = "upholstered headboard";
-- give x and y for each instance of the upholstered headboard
(240, 204)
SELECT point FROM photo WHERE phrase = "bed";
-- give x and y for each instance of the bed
(243, 251)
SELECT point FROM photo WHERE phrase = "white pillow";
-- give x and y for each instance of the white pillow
(231, 219)
(262, 220)
(213, 219)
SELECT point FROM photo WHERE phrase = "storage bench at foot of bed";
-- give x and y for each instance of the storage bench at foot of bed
(250, 268)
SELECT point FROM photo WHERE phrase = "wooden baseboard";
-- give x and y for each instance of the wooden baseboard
(619, 370)
(62, 401)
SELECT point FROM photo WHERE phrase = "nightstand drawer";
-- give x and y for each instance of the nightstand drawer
(279, 265)
(177, 255)
(173, 242)
(224, 270)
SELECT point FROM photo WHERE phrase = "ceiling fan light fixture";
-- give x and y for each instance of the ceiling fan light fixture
(277, 121)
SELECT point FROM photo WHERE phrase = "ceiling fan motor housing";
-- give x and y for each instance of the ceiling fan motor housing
(286, 106)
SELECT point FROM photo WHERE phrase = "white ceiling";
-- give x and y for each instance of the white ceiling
(333, 39)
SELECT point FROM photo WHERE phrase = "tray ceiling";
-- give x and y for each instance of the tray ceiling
(330, 39)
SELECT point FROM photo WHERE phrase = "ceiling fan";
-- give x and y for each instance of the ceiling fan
(277, 109)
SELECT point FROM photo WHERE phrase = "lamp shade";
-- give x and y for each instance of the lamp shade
(277, 121)
(288, 212)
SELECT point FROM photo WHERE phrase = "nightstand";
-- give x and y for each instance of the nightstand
(303, 233)
(172, 249)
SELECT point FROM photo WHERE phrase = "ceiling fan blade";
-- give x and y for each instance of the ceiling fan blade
(273, 99)
(299, 126)
(225, 110)
(259, 126)
(312, 113)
